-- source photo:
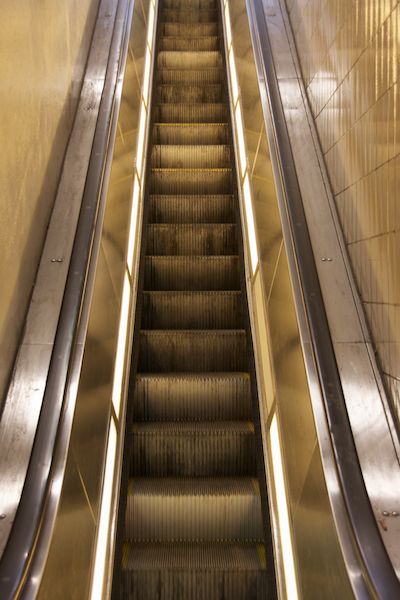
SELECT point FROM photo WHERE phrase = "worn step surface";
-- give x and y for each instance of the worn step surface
(191, 273)
(190, 133)
(193, 30)
(194, 94)
(192, 310)
(189, 15)
(187, 350)
(191, 208)
(212, 112)
(172, 59)
(191, 156)
(208, 76)
(193, 509)
(191, 239)
(191, 181)
(194, 571)
(191, 44)
(192, 397)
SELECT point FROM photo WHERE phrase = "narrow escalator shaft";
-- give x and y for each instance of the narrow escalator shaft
(194, 510)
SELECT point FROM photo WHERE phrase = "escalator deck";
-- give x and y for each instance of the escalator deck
(193, 525)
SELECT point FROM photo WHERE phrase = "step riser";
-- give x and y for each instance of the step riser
(189, 60)
(161, 352)
(165, 181)
(195, 157)
(173, 15)
(185, 134)
(207, 455)
(212, 584)
(189, 399)
(191, 94)
(188, 29)
(190, 113)
(193, 518)
(192, 77)
(191, 209)
(190, 44)
(192, 311)
(168, 240)
(192, 273)
(192, 4)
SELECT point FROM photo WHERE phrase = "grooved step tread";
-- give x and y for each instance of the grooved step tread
(203, 76)
(191, 208)
(194, 428)
(190, 133)
(191, 156)
(202, 556)
(191, 239)
(194, 486)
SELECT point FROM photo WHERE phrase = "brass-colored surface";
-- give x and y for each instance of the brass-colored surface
(43, 52)
(67, 568)
(320, 566)
(349, 55)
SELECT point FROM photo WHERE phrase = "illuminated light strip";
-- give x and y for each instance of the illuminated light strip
(228, 26)
(146, 76)
(121, 346)
(106, 497)
(150, 26)
(251, 232)
(283, 514)
(241, 142)
(140, 140)
(132, 226)
(234, 81)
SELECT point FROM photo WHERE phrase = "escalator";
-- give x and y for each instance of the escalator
(196, 515)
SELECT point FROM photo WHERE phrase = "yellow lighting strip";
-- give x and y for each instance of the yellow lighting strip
(106, 504)
(283, 513)
(240, 138)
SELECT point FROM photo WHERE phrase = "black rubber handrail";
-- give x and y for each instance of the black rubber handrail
(377, 568)
(17, 556)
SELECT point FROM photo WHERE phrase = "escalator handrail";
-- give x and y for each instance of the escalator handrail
(24, 539)
(376, 566)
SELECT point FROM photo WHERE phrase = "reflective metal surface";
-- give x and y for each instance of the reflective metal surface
(365, 398)
(79, 506)
(41, 70)
(32, 367)
(349, 56)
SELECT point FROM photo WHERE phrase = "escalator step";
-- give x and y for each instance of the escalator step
(191, 181)
(189, 449)
(191, 209)
(188, 15)
(191, 397)
(191, 272)
(192, 351)
(190, 44)
(190, 113)
(188, 29)
(192, 310)
(193, 571)
(191, 239)
(189, 77)
(178, 93)
(190, 133)
(186, 509)
(172, 59)
(195, 157)
(192, 4)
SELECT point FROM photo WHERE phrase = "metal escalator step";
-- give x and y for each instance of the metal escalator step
(178, 93)
(186, 239)
(192, 396)
(194, 509)
(190, 113)
(197, 449)
(190, 133)
(189, 15)
(191, 181)
(193, 4)
(192, 30)
(189, 571)
(188, 43)
(191, 209)
(172, 59)
(192, 351)
(192, 310)
(189, 77)
(191, 272)
(169, 156)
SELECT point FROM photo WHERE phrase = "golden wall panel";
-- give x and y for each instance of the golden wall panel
(350, 55)
(43, 52)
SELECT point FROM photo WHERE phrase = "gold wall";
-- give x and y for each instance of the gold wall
(349, 54)
(43, 51)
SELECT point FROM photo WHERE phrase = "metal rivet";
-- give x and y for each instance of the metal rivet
(395, 513)
(326, 259)
(3, 516)
(56, 260)
(385, 513)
